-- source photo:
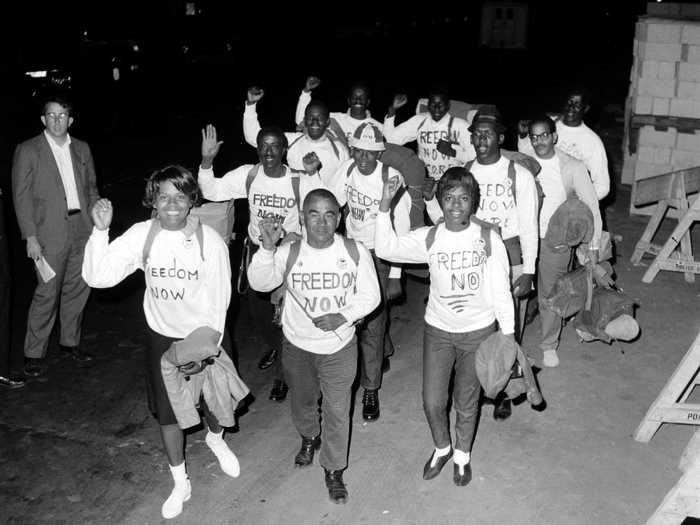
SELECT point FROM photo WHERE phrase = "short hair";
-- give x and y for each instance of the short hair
(440, 90)
(57, 98)
(579, 89)
(459, 177)
(181, 178)
(320, 193)
(321, 105)
(543, 119)
(272, 130)
(358, 84)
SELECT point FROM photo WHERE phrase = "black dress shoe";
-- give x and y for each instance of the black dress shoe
(279, 390)
(268, 359)
(462, 479)
(502, 408)
(430, 472)
(76, 353)
(33, 367)
(370, 405)
(336, 488)
(11, 382)
(305, 456)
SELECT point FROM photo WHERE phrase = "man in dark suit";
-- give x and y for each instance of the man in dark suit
(54, 188)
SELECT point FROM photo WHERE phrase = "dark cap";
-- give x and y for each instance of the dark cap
(488, 114)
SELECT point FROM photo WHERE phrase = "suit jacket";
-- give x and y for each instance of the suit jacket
(39, 196)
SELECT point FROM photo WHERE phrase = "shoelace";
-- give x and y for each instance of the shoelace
(369, 398)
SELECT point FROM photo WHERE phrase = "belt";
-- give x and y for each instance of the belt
(74, 211)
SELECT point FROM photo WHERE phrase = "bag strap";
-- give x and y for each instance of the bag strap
(511, 176)
(469, 165)
(250, 177)
(449, 128)
(152, 232)
(350, 168)
(353, 251)
(430, 238)
(294, 250)
(332, 140)
(295, 141)
(296, 180)
(422, 124)
(486, 229)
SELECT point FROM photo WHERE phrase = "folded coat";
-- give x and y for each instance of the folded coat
(219, 383)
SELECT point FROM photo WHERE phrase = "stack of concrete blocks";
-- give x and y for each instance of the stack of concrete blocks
(664, 82)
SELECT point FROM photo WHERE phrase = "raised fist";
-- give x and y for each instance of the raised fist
(312, 83)
(254, 95)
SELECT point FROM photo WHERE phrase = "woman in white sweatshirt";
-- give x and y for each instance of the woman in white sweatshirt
(188, 285)
(469, 292)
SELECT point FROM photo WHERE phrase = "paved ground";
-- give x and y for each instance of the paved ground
(80, 446)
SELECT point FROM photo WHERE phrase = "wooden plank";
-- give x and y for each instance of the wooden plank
(678, 413)
(682, 500)
(653, 189)
(670, 245)
(680, 265)
(691, 452)
(645, 242)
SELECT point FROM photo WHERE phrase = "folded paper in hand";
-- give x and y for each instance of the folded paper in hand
(44, 269)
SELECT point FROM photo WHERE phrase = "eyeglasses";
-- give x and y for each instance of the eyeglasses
(57, 116)
(541, 136)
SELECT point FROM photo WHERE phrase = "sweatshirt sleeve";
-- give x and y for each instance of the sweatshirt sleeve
(304, 99)
(434, 210)
(497, 276)
(218, 272)
(404, 132)
(584, 189)
(367, 294)
(408, 248)
(106, 264)
(598, 167)
(266, 268)
(527, 209)
(464, 149)
(230, 186)
(251, 125)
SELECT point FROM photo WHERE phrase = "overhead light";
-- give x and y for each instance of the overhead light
(36, 74)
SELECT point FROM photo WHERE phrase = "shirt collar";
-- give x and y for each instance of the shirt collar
(53, 142)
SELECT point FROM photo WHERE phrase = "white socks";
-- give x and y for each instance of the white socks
(227, 459)
(461, 459)
(550, 358)
(181, 492)
(439, 452)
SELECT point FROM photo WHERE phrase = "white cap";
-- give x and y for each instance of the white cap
(368, 137)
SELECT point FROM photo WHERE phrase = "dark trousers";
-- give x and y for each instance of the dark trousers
(443, 352)
(551, 266)
(330, 376)
(375, 341)
(5, 340)
(67, 287)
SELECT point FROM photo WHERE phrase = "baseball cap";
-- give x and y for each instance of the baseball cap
(367, 137)
(488, 114)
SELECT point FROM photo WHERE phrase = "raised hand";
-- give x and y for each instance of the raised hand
(523, 128)
(254, 95)
(102, 214)
(399, 101)
(312, 164)
(210, 145)
(429, 188)
(312, 83)
(391, 186)
(271, 232)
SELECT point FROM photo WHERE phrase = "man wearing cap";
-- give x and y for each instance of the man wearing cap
(443, 140)
(54, 187)
(514, 212)
(315, 138)
(577, 140)
(360, 181)
(561, 176)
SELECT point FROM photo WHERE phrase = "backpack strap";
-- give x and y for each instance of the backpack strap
(294, 249)
(469, 165)
(152, 232)
(430, 237)
(511, 176)
(486, 229)
(449, 128)
(350, 168)
(250, 177)
(296, 180)
(332, 140)
(353, 251)
(295, 141)
(421, 124)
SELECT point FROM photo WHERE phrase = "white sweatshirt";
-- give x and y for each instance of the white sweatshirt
(269, 196)
(324, 281)
(346, 122)
(498, 206)
(423, 129)
(182, 291)
(331, 154)
(468, 290)
(582, 143)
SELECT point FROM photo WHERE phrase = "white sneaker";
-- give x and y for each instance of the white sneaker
(227, 459)
(172, 506)
(550, 358)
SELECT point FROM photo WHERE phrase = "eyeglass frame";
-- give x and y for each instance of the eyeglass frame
(57, 116)
(541, 136)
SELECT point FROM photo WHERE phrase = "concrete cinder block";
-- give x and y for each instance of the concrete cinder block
(628, 166)
(667, 70)
(662, 156)
(691, 34)
(689, 11)
(689, 90)
(681, 159)
(648, 136)
(657, 87)
(644, 170)
(663, 9)
(646, 154)
(660, 106)
(661, 52)
(643, 105)
(640, 31)
(688, 142)
(689, 72)
(650, 68)
(690, 54)
(663, 33)
(681, 107)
